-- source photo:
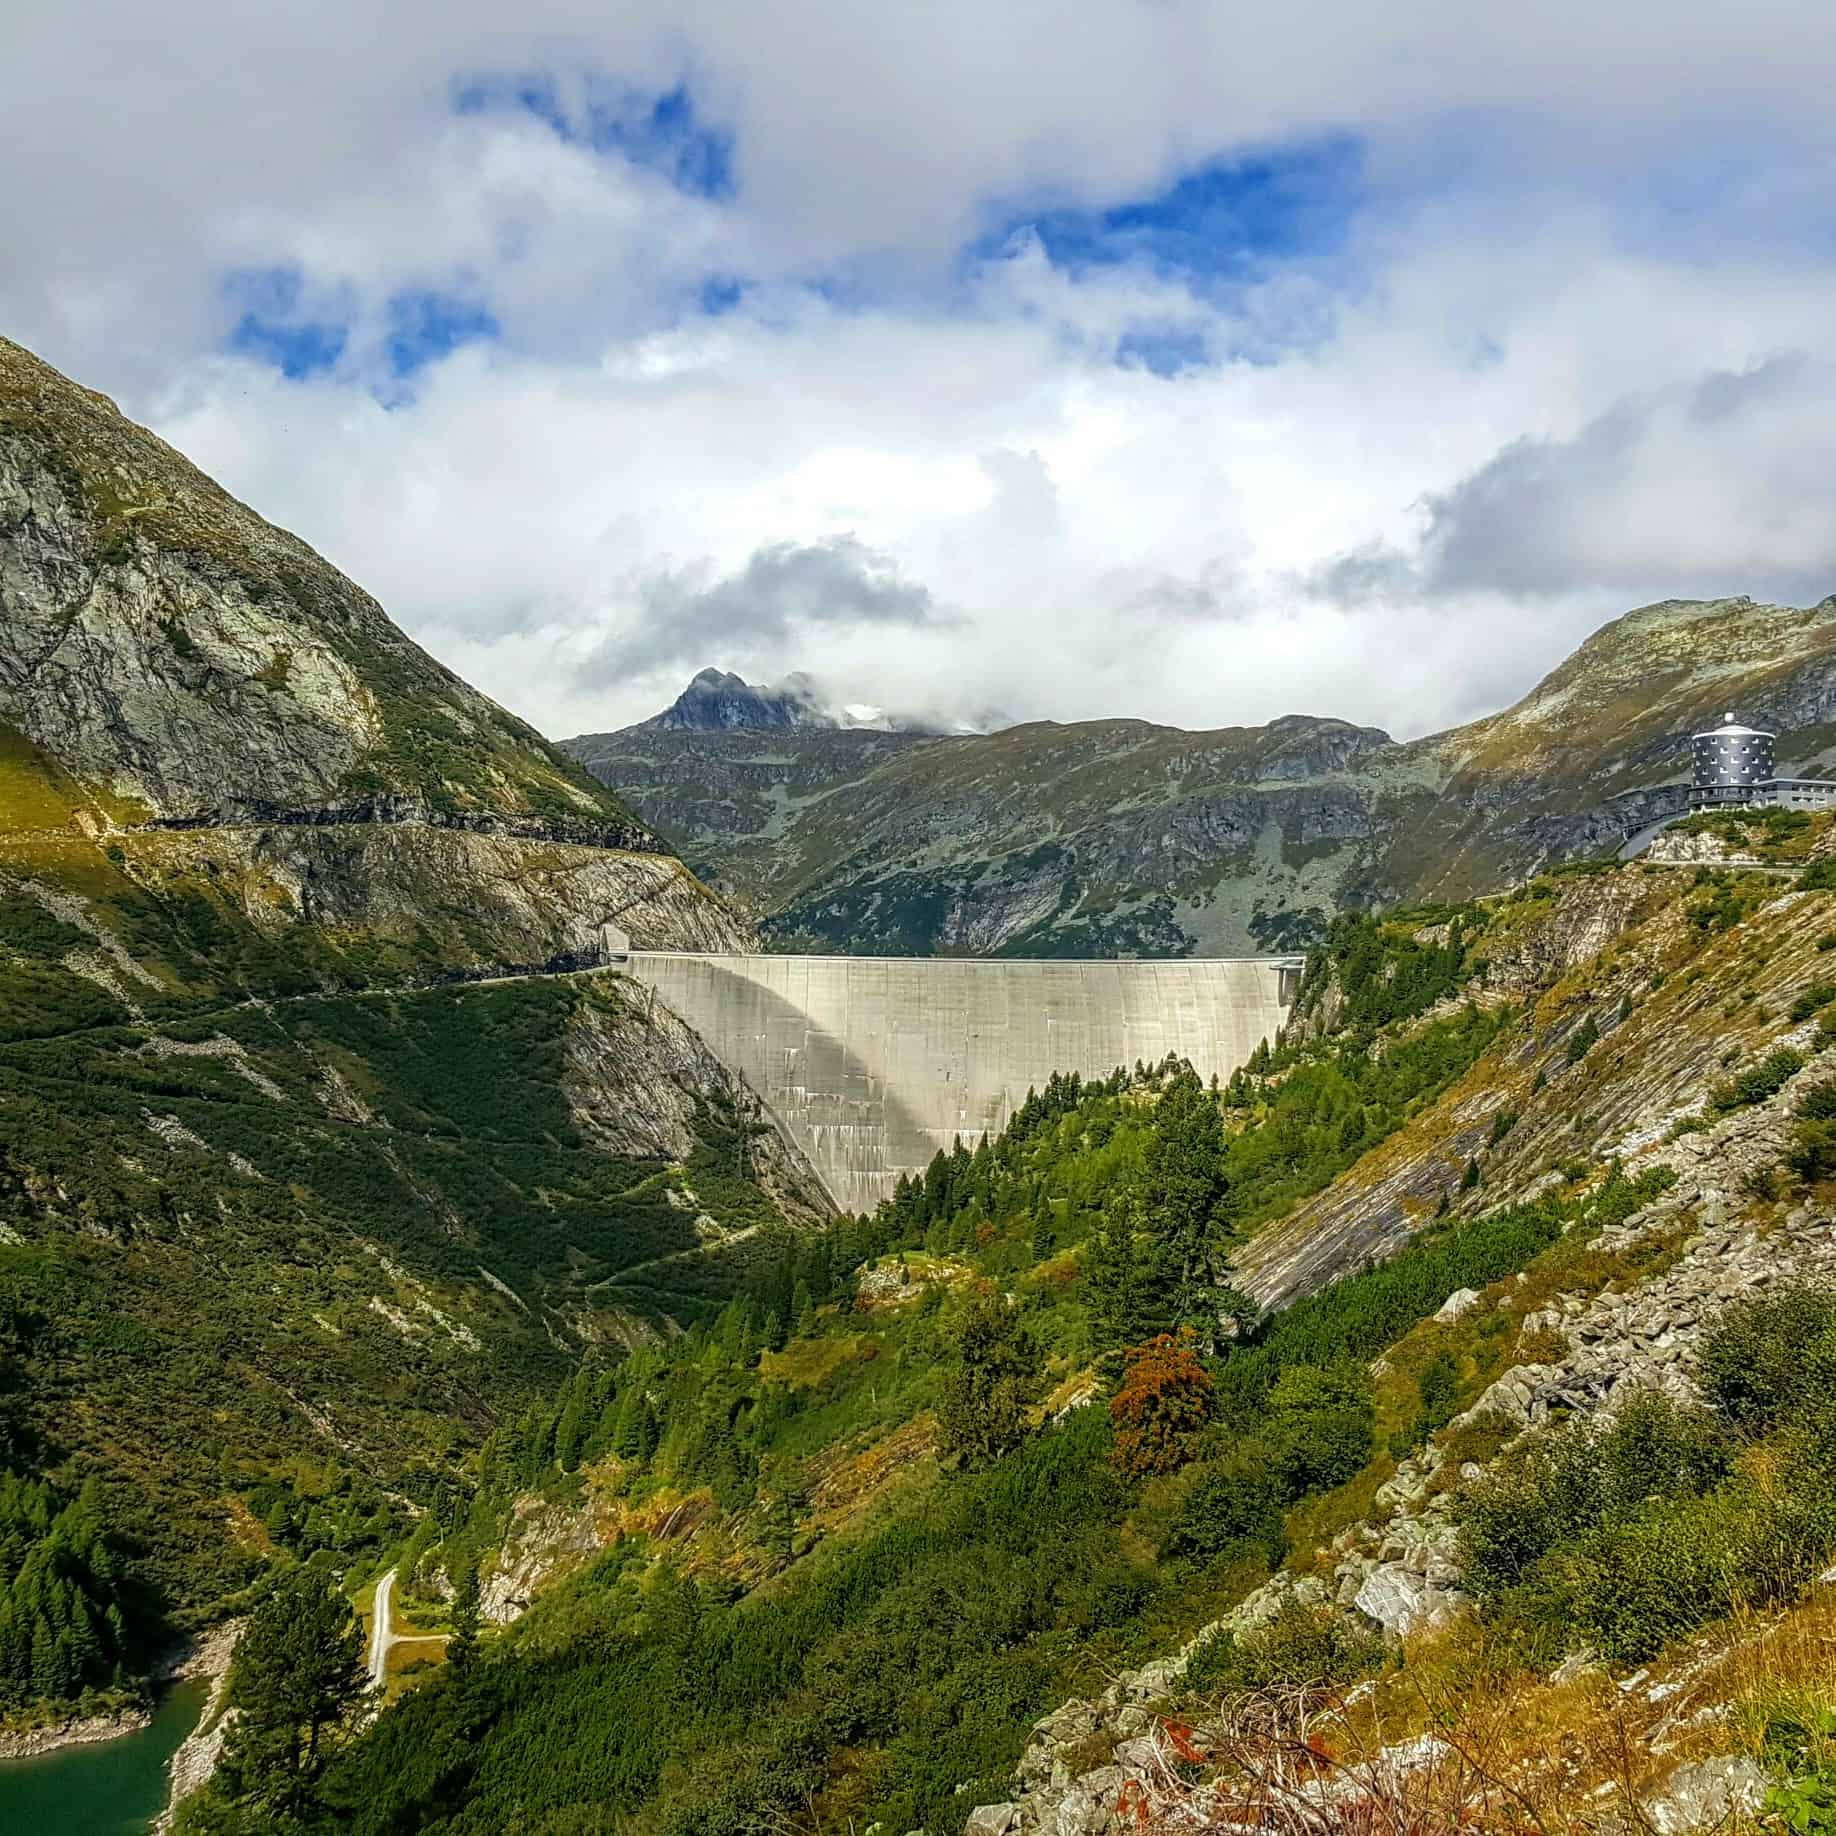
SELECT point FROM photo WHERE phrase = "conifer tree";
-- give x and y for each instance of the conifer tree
(462, 1647)
(982, 1413)
(627, 1434)
(297, 1677)
(48, 1674)
(1183, 1185)
(650, 1429)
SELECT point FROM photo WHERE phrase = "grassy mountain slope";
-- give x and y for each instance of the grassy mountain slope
(318, 1159)
(1121, 837)
(1585, 1116)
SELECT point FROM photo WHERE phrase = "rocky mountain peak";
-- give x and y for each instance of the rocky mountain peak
(718, 701)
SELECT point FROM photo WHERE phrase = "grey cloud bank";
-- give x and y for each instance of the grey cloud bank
(786, 592)
(1724, 484)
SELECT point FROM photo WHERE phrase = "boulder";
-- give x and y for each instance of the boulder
(991, 1820)
(1460, 1302)
(1706, 1794)
(1402, 1602)
(1077, 1813)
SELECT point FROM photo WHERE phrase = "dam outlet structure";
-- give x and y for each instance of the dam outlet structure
(871, 1064)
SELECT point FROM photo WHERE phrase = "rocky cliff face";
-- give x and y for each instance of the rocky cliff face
(487, 900)
(1118, 837)
(190, 661)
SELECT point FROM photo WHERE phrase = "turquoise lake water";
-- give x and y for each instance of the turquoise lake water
(115, 1788)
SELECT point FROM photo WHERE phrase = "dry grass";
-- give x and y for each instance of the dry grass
(1461, 1737)
(809, 1364)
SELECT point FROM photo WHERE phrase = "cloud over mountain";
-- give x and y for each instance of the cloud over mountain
(1359, 360)
(785, 594)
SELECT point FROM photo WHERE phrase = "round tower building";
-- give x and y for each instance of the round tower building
(1733, 763)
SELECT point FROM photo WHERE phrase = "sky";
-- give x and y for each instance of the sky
(1196, 362)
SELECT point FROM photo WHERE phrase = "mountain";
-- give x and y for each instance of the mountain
(1122, 837)
(1502, 1505)
(318, 1161)
(718, 702)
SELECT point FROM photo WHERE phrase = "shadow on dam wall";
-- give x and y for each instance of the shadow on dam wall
(871, 1064)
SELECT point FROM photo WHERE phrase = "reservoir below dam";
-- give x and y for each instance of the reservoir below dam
(107, 1788)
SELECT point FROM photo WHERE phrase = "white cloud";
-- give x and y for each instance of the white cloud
(1496, 394)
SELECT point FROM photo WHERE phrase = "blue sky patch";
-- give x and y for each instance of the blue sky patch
(274, 327)
(662, 131)
(720, 293)
(1166, 351)
(1223, 221)
(426, 326)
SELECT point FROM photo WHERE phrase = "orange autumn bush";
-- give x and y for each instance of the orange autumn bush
(1163, 1404)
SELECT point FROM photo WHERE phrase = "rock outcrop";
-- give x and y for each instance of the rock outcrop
(189, 661)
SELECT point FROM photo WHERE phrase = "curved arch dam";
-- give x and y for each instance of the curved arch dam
(871, 1064)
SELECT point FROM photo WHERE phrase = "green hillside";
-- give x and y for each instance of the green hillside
(828, 1560)
(322, 1150)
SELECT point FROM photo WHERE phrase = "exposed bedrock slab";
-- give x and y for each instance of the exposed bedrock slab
(871, 1064)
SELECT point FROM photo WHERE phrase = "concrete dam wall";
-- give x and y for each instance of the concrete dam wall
(871, 1064)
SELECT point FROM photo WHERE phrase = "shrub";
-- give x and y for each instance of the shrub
(1301, 1646)
(1582, 1040)
(1627, 1535)
(1818, 994)
(1620, 1198)
(1817, 1102)
(1558, 1486)
(1719, 910)
(1236, 1502)
(1769, 1359)
(1758, 1082)
(1164, 1402)
(1634, 1584)
(1319, 1425)
(1437, 1390)
(1819, 876)
(1813, 1150)
(1480, 1438)
(1762, 1184)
